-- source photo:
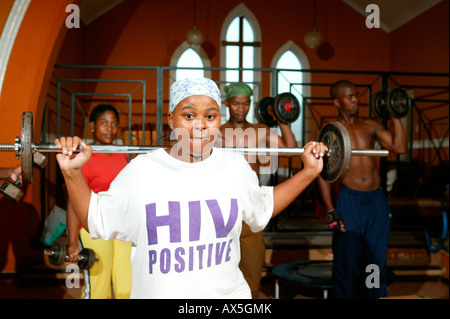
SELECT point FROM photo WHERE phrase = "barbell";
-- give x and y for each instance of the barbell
(333, 134)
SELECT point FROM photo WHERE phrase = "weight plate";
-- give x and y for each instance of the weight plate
(26, 153)
(379, 105)
(337, 160)
(264, 112)
(11, 190)
(59, 255)
(398, 102)
(87, 258)
(286, 108)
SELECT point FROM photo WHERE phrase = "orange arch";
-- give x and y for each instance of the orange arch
(25, 84)
(29, 68)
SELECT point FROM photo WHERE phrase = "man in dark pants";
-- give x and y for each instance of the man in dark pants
(360, 240)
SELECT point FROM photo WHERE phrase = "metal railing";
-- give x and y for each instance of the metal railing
(379, 80)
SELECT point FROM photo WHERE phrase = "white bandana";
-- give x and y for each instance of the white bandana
(187, 87)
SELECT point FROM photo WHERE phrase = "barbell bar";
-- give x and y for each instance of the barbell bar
(333, 134)
(142, 149)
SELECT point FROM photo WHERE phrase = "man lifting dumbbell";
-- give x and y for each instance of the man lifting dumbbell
(361, 210)
(245, 134)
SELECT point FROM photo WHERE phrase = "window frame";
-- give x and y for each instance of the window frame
(242, 11)
(305, 91)
(176, 57)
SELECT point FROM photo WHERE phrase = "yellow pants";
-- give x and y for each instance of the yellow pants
(112, 269)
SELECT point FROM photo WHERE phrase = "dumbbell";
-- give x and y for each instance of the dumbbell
(58, 255)
(392, 103)
(283, 108)
(11, 190)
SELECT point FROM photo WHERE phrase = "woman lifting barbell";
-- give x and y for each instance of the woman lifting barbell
(183, 207)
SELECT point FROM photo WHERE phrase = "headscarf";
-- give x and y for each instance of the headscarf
(238, 88)
(193, 86)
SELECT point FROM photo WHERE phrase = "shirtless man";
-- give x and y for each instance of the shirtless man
(362, 238)
(237, 132)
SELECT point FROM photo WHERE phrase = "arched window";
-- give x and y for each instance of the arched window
(241, 50)
(189, 58)
(291, 57)
(285, 78)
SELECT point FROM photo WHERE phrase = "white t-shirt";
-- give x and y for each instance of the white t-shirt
(184, 220)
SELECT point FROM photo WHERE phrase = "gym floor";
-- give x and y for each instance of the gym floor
(48, 282)
(10, 288)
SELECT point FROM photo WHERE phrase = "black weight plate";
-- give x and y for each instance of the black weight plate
(26, 152)
(59, 255)
(87, 259)
(286, 108)
(310, 273)
(398, 102)
(337, 160)
(316, 270)
(379, 100)
(264, 112)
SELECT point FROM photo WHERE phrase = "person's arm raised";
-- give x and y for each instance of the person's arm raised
(396, 141)
(287, 136)
(286, 192)
(71, 163)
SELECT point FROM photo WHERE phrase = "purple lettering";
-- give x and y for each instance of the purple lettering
(172, 220)
(194, 220)
(219, 252)
(191, 258)
(152, 260)
(200, 249)
(165, 260)
(210, 248)
(222, 230)
(180, 266)
(228, 257)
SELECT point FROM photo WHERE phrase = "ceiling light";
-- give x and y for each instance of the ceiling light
(313, 38)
